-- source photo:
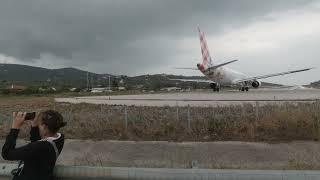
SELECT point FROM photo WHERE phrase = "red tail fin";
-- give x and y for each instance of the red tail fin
(204, 49)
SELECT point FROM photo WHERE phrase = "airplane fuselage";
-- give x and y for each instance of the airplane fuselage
(223, 75)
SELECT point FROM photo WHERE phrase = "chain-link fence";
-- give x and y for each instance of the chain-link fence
(249, 121)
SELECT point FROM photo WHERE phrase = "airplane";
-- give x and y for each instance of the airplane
(218, 75)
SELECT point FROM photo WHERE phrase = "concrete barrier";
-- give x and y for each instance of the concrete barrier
(119, 173)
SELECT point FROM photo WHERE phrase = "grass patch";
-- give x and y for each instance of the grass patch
(270, 122)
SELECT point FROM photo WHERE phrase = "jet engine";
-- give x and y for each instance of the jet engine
(255, 84)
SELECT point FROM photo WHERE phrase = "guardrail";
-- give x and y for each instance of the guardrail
(120, 173)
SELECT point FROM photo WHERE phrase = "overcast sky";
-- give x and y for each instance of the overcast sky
(135, 37)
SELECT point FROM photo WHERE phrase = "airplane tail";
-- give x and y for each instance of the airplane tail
(207, 61)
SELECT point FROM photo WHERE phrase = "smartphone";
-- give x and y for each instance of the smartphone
(30, 116)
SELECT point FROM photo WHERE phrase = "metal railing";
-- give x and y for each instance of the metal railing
(86, 172)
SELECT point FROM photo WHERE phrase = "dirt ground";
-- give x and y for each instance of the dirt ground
(20, 103)
(225, 155)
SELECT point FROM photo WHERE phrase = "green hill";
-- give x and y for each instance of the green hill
(26, 75)
(29, 75)
(315, 84)
(72, 77)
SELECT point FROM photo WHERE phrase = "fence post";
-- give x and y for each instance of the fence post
(212, 114)
(134, 114)
(243, 111)
(317, 116)
(108, 112)
(125, 117)
(177, 113)
(70, 112)
(189, 117)
(1, 118)
(257, 111)
(101, 111)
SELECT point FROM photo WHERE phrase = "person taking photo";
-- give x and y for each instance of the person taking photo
(36, 159)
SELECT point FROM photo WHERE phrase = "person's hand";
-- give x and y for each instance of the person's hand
(37, 120)
(18, 119)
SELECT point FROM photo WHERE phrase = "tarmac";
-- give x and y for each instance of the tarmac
(202, 99)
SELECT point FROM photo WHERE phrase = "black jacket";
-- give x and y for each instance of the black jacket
(39, 157)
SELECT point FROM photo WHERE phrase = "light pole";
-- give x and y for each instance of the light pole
(87, 81)
(109, 83)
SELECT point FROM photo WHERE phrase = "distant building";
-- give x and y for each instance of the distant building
(121, 88)
(47, 89)
(73, 89)
(97, 90)
(139, 86)
(100, 90)
(15, 88)
(171, 89)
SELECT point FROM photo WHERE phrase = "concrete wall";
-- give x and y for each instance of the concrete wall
(85, 172)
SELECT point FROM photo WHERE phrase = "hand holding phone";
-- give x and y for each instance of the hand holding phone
(18, 119)
(30, 116)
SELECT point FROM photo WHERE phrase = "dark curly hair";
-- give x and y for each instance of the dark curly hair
(53, 120)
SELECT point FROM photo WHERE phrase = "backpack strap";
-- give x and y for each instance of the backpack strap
(51, 141)
(54, 147)
(17, 171)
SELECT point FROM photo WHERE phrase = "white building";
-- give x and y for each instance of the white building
(171, 89)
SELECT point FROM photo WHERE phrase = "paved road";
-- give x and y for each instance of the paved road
(198, 98)
(238, 155)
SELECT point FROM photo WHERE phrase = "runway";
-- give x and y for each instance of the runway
(201, 99)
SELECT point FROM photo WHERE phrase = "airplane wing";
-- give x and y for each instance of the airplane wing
(271, 75)
(194, 80)
(223, 64)
(279, 87)
(211, 68)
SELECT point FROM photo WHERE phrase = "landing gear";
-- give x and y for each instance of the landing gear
(244, 89)
(215, 87)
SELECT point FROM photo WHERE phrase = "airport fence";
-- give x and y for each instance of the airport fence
(249, 121)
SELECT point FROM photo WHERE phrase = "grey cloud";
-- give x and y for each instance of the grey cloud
(82, 31)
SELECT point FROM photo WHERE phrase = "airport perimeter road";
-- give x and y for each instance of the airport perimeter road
(200, 98)
(213, 155)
